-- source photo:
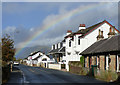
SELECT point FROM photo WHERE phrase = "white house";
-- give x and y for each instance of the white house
(58, 51)
(44, 59)
(76, 42)
(37, 58)
(32, 59)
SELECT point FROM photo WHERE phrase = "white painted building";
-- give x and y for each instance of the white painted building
(33, 58)
(36, 58)
(58, 51)
(76, 42)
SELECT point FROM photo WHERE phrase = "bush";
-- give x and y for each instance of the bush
(5, 73)
(82, 61)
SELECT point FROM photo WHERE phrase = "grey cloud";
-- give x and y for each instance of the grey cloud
(57, 33)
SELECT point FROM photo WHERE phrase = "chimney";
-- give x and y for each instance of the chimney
(111, 33)
(114, 31)
(69, 32)
(59, 45)
(82, 26)
(100, 35)
(110, 29)
(99, 32)
(52, 47)
(55, 46)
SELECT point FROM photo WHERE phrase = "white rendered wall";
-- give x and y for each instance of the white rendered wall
(85, 42)
(54, 66)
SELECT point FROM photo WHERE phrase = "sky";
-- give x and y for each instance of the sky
(22, 20)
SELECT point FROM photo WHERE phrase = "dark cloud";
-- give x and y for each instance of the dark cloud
(107, 11)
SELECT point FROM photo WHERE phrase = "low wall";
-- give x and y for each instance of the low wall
(54, 66)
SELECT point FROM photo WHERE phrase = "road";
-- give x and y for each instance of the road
(43, 75)
(36, 75)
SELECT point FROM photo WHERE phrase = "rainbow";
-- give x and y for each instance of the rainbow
(56, 22)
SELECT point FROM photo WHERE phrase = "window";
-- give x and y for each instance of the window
(78, 41)
(69, 43)
(69, 53)
(44, 59)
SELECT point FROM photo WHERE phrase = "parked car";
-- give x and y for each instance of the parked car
(16, 63)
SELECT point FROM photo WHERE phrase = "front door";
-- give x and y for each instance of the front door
(119, 61)
(90, 61)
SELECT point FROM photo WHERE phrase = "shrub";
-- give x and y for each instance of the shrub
(82, 61)
(107, 75)
(5, 73)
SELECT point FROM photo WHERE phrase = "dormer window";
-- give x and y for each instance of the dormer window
(69, 43)
(78, 41)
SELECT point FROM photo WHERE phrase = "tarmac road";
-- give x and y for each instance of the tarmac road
(43, 75)
(35, 75)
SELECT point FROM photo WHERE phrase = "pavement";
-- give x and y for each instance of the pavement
(16, 76)
(36, 75)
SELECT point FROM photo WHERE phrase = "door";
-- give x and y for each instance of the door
(119, 61)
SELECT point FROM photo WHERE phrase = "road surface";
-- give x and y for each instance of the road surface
(43, 75)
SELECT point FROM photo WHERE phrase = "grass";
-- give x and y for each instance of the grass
(108, 76)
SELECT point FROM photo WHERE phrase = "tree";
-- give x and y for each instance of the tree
(8, 49)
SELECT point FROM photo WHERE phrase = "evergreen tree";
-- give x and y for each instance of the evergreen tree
(8, 49)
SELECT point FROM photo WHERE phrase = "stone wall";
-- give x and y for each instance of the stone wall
(102, 62)
(87, 61)
(112, 65)
(93, 60)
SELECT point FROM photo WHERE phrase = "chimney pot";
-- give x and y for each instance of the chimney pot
(110, 29)
(102, 33)
(82, 26)
(69, 31)
(99, 31)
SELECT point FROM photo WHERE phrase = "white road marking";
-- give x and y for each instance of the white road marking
(24, 78)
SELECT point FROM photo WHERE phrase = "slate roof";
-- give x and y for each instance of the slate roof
(55, 50)
(84, 31)
(104, 46)
(89, 29)
(62, 50)
(36, 58)
(59, 50)
(70, 35)
(34, 53)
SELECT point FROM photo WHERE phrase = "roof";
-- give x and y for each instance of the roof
(36, 58)
(70, 35)
(84, 31)
(62, 50)
(88, 30)
(59, 50)
(104, 46)
(34, 53)
(55, 50)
